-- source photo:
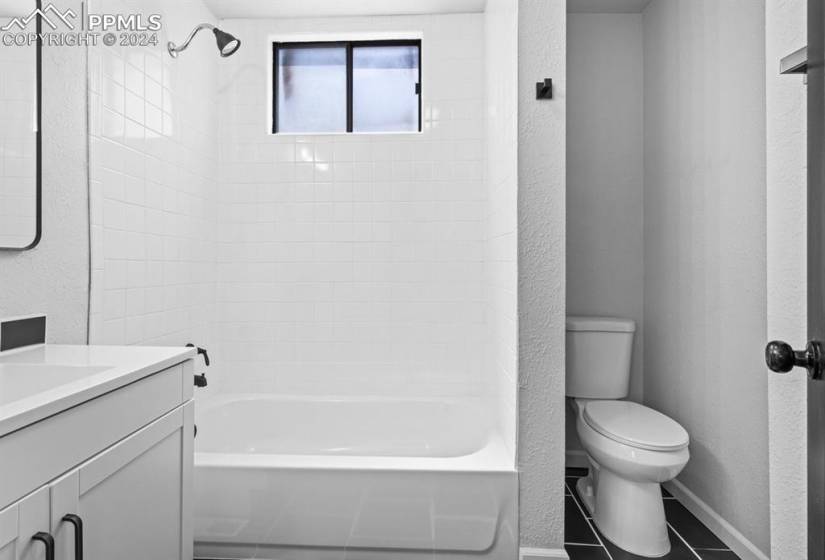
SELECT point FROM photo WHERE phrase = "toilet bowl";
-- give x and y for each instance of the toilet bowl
(632, 449)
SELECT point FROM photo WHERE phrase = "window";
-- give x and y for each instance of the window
(357, 86)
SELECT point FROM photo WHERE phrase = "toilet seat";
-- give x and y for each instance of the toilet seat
(635, 425)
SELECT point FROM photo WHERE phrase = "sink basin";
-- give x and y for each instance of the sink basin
(19, 381)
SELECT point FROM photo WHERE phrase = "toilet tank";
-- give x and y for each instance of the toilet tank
(599, 350)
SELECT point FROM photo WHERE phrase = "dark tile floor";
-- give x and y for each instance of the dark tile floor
(689, 538)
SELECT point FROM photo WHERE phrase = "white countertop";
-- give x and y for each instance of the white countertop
(39, 381)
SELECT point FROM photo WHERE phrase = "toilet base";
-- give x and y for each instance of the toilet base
(629, 514)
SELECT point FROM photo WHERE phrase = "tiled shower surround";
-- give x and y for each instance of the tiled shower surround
(329, 264)
(352, 263)
(153, 152)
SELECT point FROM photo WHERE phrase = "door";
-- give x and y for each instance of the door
(24, 529)
(133, 501)
(780, 356)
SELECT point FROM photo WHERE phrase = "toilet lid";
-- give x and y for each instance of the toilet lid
(635, 425)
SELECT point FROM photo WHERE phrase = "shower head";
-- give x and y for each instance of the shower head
(227, 43)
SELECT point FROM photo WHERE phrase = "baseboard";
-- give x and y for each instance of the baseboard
(525, 553)
(575, 458)
(737, 542)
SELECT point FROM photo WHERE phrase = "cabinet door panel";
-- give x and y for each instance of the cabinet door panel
(19, 523)
(132, 498)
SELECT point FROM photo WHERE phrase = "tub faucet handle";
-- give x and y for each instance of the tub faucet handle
(202, 352)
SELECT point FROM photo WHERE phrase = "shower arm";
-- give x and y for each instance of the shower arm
(175, 49)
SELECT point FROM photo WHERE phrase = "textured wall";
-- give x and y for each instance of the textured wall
(541, 273)
(501, 181)
(705, 236)
(53, 277)
(787, 278)
(605, 169)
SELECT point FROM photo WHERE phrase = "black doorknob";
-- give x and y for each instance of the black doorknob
(781, 358)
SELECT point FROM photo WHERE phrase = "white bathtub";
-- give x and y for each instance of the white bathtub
(351, 478)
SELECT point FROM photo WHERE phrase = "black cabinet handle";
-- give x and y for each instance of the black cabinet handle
(78, 534)
(48, 542)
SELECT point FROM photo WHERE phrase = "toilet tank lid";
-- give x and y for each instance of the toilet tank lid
(600, 324)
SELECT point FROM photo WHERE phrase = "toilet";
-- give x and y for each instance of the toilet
(631, 448)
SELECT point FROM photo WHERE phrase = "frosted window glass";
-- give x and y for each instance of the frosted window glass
(312, 89)
(384, 97)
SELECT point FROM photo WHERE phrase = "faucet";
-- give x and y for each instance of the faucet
(200, 380)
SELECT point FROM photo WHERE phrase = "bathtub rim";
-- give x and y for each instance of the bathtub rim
(492, 457)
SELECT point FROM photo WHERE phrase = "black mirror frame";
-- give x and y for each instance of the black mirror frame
(38, 139)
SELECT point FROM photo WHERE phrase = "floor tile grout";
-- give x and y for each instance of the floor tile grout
(592, 526)
(573, 491)
(687, 544)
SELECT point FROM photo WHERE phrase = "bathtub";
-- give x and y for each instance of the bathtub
(305, 478)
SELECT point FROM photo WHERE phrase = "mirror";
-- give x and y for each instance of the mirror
(20, 155)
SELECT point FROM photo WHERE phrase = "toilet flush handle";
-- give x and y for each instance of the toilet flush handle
(782, 358)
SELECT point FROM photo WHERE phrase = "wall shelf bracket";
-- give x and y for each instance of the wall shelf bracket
(795, 63)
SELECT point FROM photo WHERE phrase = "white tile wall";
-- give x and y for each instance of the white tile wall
(501, 244)
(153, 152)
(334, 264)
(355, 263)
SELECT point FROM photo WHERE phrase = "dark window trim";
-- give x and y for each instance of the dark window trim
(348, 45)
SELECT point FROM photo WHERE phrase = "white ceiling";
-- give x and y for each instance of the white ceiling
(606, 6)
(225, 9)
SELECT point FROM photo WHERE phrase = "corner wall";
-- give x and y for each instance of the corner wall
(541, 275)
(705, 248)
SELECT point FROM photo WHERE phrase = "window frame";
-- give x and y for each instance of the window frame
(349, 46)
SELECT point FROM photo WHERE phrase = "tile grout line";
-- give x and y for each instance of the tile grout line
(590, 524)
(687, 544)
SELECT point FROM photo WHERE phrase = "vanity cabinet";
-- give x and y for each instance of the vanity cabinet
(131, 499)
(20, 522)
(110, 478)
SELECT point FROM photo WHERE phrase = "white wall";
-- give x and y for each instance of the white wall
(705, 237)
(605, 226)
(353, 264)
(787, 276)
(53, 277)
(541, 273)
(501, 212)
(153, 165)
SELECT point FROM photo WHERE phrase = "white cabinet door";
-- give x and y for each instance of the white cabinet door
(22, 524)
(134, 499)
